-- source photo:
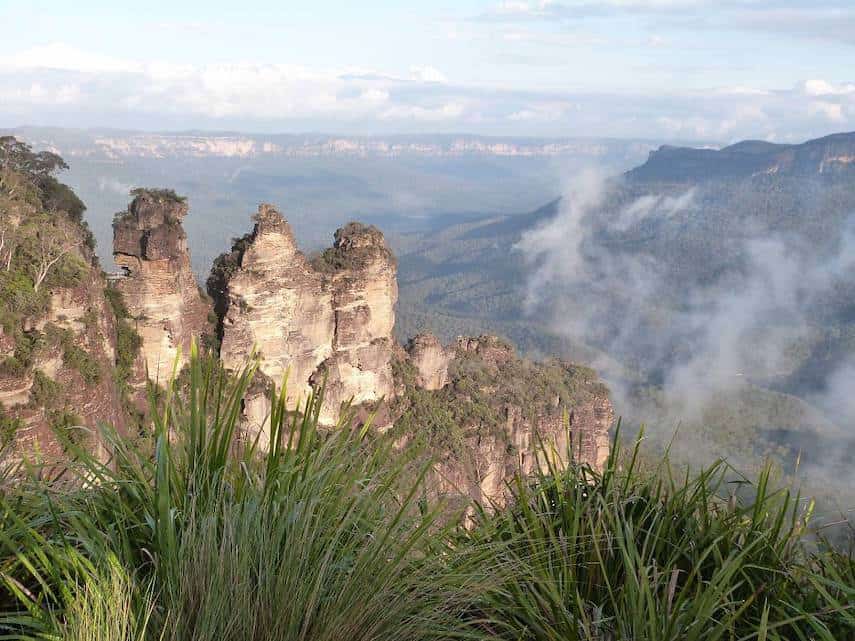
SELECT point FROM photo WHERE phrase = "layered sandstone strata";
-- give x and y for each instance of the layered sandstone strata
(159, 288)
(430, 359)
(67, 387)
(322, 322)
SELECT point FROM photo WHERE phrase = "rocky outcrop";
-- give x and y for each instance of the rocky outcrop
(498, 413)
(159, 288)
(431, 361)
(327, 321)
(364, 286)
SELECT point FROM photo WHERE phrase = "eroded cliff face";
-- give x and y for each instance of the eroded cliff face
(327, 321)
(159, 288)
(431, 361)
(495, 411)
(364, 287)
(58, 331)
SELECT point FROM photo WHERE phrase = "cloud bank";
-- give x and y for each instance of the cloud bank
(60, 85)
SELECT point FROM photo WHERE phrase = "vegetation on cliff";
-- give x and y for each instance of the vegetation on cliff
(40, 229)
(481, 390)
(197, 535)
(54, 340)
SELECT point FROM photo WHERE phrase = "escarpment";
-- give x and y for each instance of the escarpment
(158, 285)
(327, 321)
(76, 351)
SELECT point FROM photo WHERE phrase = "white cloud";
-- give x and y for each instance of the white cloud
(59, 56)
(831, 111)
(818, 87)
(89, 89)
(426, 73)
(547, 111)
(447, 111)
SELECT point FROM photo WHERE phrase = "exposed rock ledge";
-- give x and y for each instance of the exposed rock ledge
(160, 290)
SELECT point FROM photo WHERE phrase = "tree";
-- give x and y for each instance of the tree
(47, 243)
(18, 156)
(8, 242)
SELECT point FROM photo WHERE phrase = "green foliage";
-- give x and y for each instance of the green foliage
(199, 535)
(26, 343)
(167, 195)
(69, 426)
(9, 426)
(476, 399)
(19, 157)
(45, 391)
(224, 267)
(128, 344)
(59, 197)
(629, 555)
(78, 358)
(19, 299)
(105, 608)
(116, 302)
(318, 538)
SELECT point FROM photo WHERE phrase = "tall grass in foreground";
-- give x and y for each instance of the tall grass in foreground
(200, 536)
(195, 535)
(627, 555)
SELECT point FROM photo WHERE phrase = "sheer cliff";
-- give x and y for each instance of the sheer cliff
(325, 321)
(328, 322)
(158, 285)
(76, 351)
(483, 413)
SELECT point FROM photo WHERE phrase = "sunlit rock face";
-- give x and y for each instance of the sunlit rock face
(431, 361)
(322, 322)
(159, 288)
(279, 306)
(363, 279)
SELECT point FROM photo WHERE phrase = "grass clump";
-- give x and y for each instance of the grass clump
(624, 554)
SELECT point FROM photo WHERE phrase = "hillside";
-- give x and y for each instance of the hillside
(712, 287)
(65, 343)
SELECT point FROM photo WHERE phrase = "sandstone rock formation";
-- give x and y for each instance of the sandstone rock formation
(495, 413)
(325, 321)
(431, 361)
(159, 288)
(362, 273)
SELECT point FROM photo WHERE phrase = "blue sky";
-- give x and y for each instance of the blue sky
(681, 69)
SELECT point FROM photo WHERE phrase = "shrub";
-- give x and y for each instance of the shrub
(9, 426)
(78, 358)
(628, 555)
(167, 195)
(45, 391)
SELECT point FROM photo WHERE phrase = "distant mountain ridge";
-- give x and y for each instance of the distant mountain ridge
(830, 155)
(108, 144)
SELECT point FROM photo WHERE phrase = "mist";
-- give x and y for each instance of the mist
(700, 330)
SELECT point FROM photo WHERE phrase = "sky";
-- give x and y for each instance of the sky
(707, 70)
